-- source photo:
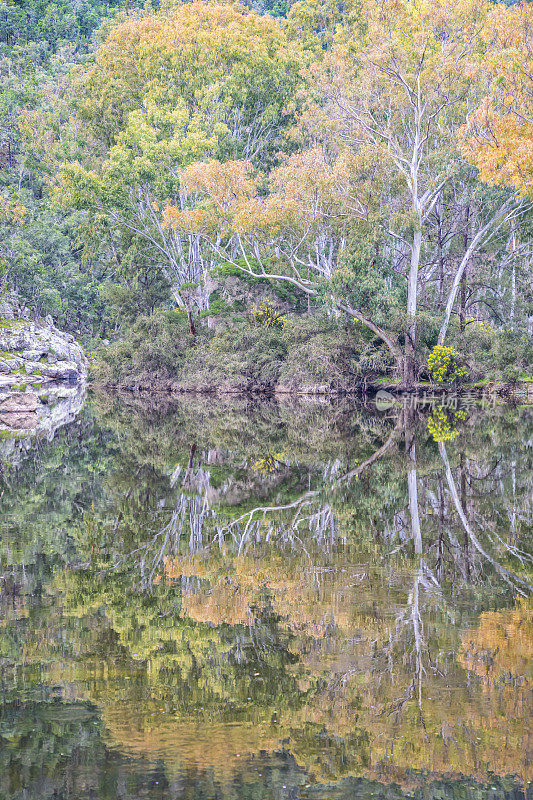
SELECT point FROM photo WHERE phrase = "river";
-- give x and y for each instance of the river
(208, 599)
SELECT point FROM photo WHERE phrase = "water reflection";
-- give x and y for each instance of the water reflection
(232, 600)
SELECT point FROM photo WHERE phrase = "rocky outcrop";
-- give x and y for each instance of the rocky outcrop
(34, 352)
(21, 427)
(18, 402)
(42, 379)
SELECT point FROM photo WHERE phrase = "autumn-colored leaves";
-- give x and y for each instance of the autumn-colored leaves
(215, 197)
(217, 60)
(220, 136)
(498, 136)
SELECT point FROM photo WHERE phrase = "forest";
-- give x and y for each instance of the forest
(273, 195)
(266, 399)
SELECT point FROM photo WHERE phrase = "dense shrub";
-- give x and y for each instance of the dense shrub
(306, 350)
(153, 348)
(320, 350)
(444, 365)
(489, 350)
(309, 349)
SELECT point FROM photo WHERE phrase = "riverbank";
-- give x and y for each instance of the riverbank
(310, 355)
(520, 392)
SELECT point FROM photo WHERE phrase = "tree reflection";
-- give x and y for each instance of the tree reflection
(226, 598)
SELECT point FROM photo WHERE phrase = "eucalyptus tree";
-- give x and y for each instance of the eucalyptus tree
(164, 89)
(348, 217)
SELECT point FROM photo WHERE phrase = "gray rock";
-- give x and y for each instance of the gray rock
(9, 365)
(64, 357)
(17, 402)
(17, 337)
(34, 355)
(60, 371)
(6, 309)
(19, 421)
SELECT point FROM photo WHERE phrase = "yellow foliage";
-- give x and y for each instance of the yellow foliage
(498, 137)
(442, 424)
(266, 315)
(443, 364)
(501, 649)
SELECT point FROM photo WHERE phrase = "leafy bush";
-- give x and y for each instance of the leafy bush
(320, 350)
(511, 374)
(491, 350)
(266, 315)
(154, 346)
(307, 350)
(442, 424)
(444, 365)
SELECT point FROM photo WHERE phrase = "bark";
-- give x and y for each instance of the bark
(185, 306)
(190, 320)
(442, 264)
(513, 277)
(462, 301)
(409, 363)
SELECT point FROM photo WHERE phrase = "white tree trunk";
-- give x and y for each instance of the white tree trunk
(485, 233)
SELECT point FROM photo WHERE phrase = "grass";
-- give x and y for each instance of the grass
(9, 323)
(388, 380)
(10, 435)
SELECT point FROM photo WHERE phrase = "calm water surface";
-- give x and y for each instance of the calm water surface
(267, 602)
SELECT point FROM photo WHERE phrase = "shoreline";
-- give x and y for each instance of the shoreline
(521, 393)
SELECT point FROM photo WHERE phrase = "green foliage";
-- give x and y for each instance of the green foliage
(40, 254)
(154, 349)
(511, 374)
(491, 350)
(52, 24)
(305, 351)
(367, 282)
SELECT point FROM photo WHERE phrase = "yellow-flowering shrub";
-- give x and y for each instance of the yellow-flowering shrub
(442, 423)
(266, 315)
(270, 463)
(444, 366)
(481, 325)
